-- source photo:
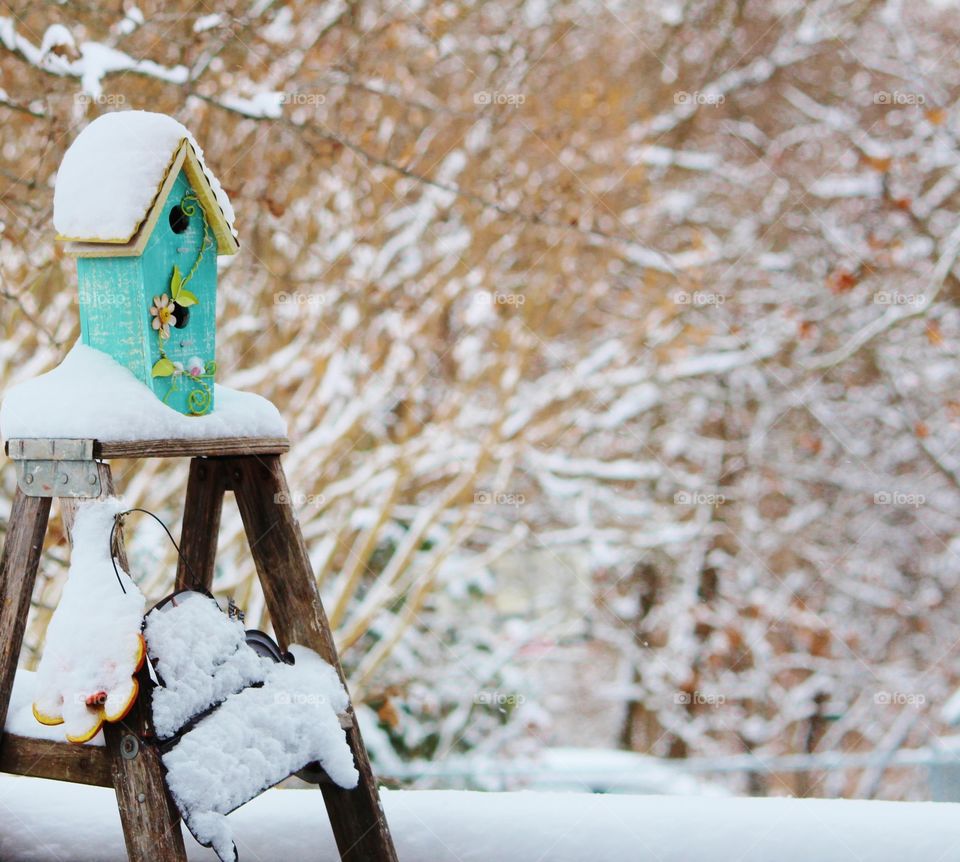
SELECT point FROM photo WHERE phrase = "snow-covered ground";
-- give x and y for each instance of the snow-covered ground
(43, 820)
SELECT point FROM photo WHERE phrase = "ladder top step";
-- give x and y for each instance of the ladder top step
(46, 449)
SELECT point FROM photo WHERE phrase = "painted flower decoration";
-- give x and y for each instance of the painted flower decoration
(163, 316)
(195, 366)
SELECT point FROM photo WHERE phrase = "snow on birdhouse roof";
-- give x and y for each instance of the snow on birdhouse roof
(116, 173)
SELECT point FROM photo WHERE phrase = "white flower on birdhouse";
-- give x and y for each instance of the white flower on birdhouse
(195, 366)
(163, 316)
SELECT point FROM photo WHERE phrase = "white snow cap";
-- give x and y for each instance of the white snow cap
(110, 175)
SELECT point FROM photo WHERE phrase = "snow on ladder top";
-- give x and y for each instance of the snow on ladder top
(110, 179)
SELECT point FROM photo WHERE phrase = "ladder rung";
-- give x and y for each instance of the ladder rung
(60, 761)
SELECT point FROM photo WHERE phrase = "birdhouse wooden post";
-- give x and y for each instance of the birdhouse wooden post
(146, 220)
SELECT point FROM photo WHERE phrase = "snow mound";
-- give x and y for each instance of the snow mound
(111, 173)
(52, 821)
(201, 655)
(90, 395)
(254, 740)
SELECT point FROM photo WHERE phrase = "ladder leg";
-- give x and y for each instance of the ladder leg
(201, 524)
(293, 602)
(151, 823)
(18, 573)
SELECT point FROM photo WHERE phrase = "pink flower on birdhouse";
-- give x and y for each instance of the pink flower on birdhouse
(195, 366)
(163, 316)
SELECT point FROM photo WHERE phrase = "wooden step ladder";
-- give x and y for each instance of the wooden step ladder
(130, 762)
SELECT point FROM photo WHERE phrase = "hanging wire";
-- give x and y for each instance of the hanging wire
(118, 521)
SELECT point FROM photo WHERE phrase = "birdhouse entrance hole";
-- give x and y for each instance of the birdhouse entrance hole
(179, 221)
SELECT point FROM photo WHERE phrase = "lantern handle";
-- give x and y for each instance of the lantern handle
(118, 521)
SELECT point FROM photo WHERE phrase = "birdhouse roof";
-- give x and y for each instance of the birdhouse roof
(116, 175)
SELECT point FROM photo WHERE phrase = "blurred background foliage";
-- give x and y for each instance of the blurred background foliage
(617, 343)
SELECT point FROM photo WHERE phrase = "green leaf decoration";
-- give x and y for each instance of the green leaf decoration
(176, 283)
(185, 298)
(163, 367)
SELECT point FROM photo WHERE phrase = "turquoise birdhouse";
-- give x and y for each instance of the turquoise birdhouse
(146, 220)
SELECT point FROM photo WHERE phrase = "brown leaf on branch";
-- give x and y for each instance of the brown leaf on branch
(841, 281)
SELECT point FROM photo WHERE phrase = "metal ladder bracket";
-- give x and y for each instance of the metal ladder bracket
(55, 468)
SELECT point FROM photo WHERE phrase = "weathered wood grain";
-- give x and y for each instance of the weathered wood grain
(173, 448)
(18, 573)
(191, 448)
(297, 613)
(201, 524)
(151, 822)
(60, 761)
